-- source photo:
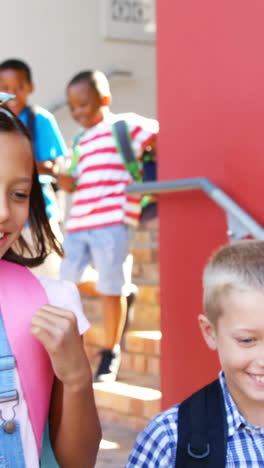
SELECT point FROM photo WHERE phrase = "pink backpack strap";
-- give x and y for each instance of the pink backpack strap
(21, 294)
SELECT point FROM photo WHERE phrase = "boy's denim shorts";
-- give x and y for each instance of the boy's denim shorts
(106, 248)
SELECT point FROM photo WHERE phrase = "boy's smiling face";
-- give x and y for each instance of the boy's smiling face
(239, 339)
(85, 104)
(15, 82)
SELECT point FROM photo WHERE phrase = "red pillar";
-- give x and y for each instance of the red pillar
(211, 112)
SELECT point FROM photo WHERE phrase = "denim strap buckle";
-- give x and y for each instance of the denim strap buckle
(9, 395)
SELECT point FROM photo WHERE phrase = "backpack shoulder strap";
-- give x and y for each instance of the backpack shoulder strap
(31, 122)
(21, 295)
(123, 143)
(202, 429)
(75, 153)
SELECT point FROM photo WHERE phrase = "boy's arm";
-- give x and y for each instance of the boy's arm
(67, 182)
(50, 166)
(143, 134)
(151, 142)
(49, 145)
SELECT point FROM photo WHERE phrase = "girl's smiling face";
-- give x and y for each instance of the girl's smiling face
(16, 171)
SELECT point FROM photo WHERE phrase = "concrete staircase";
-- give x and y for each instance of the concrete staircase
(135, 397)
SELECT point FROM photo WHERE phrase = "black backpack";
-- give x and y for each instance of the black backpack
(202, 429)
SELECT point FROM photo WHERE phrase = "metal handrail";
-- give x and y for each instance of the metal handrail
(213, 192)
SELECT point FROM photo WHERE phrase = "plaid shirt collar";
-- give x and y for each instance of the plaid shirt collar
(235, 420)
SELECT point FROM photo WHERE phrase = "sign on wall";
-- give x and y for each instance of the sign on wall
(132, 20)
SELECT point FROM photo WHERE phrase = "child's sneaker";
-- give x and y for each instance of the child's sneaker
(109, 365)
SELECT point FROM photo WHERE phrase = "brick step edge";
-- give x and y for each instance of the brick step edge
(142, 311)
(145, 253)
(146, 271)
(147, 289)
(145, 342)
(127, 399)
(138, 363)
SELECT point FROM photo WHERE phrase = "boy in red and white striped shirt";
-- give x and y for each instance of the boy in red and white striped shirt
(102, 216)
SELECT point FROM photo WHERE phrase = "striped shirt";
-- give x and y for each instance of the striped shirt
(100, 199)
(156, 445)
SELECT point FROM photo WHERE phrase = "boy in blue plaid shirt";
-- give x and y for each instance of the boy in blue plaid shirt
(233, 325)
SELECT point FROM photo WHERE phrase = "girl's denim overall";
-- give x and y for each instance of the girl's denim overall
(11, 449)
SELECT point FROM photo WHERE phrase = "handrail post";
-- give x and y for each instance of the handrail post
(239, 217)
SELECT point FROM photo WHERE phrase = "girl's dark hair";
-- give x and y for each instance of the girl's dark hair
(42, 235)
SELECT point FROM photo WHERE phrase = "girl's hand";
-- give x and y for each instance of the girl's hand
(57, 330)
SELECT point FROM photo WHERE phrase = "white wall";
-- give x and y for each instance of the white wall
(59, 38)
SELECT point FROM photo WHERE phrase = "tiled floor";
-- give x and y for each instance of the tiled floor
(115, 447)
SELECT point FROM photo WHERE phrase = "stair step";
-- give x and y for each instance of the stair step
(126, 399)
(140, 351)
(147, 381)
(135, 341)
(145, 253)
(146, 309)
(143, 341)
(146, 316)
(152, 225)
(140, 363)
(148, 271)
(146, 236)
(148, 293)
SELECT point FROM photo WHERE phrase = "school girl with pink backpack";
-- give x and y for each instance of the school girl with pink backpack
(45, 377)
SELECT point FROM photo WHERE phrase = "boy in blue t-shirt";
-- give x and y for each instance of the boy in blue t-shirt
(16, 78)
(232, 325)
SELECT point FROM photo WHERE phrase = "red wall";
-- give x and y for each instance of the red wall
(211, 112)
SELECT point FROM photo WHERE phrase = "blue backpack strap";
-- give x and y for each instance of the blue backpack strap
(202, 429)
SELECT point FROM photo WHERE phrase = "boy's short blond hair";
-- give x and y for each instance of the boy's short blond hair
(238, 266)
